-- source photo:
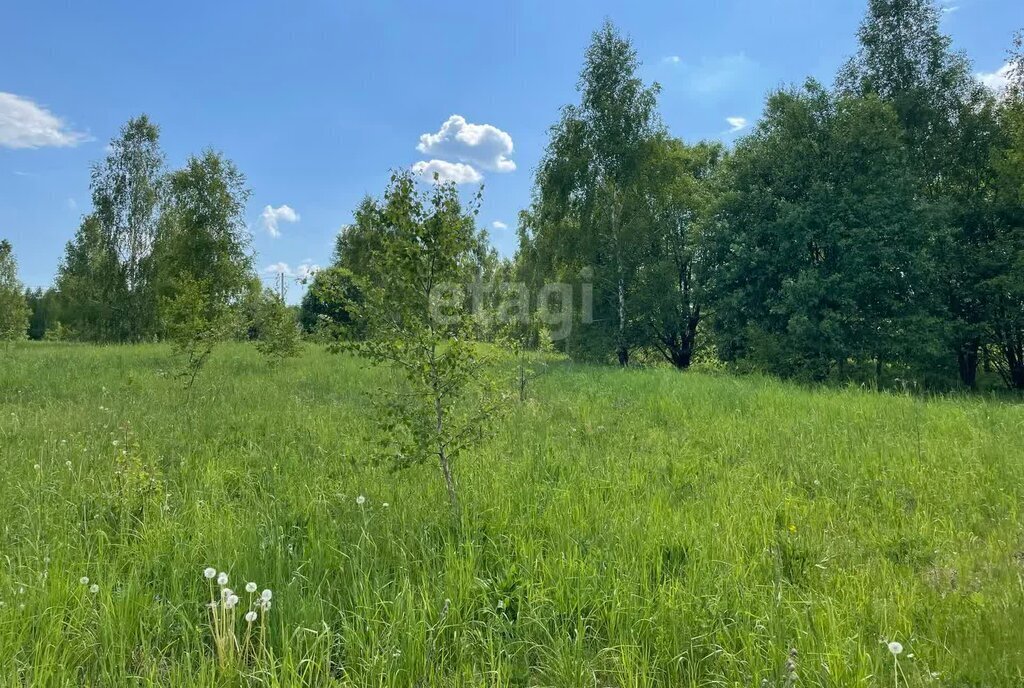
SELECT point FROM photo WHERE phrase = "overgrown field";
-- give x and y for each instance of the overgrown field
(627, 528)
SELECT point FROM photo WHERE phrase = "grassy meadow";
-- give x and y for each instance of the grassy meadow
(627, 528)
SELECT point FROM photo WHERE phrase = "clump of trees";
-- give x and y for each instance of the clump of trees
(867, 231)
(164, 253)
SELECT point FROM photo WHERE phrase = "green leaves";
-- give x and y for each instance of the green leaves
(13, 307)
(416, 319)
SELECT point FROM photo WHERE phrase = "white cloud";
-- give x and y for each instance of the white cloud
(271, 218)
(457, 172)
(278, 268)
(736, 124)
(302, 273)
(72, 204)
(24, 124)
(672, 59)
(480, 145)
(498, 224)
(997, 80)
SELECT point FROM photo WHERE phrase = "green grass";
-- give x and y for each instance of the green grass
(628, 528)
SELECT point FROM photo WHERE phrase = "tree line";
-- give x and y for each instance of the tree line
(163, 255)
(870, 230)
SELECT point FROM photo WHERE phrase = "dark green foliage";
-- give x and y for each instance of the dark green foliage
(947, 123)
(1003, 253)
(330, 305)
(819, 245)
(89, 284)
(682, 187)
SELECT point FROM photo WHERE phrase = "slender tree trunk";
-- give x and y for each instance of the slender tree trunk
(449, 481)
(623, 351)
(967, 360)
(442, 455)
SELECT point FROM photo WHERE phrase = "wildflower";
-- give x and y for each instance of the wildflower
(266, 595)
(84, 580)
(501, 604)
(250, 616)
(250, 587)
(209, 572)
(222, 578)
(360, 500)
(895, 648)
(68, 464)
(792, 528)
(385, 505)
(94, 588)
(38, 467)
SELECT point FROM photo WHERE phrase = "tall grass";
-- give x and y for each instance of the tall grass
(629, 528)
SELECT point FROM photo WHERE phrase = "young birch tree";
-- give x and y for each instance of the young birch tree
(418, 322)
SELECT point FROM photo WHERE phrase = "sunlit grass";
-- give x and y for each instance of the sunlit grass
(629, 528)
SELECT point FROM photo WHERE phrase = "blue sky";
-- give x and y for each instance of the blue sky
(317, 100)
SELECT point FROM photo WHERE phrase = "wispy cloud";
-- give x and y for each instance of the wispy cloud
(498, 224)
(25, 124)
(736, 124)
(271, 218)
(713, 76)
(672, 59)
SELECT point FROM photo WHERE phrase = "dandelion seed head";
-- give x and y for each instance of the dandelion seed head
(222, 578)
(231, 602)
(250, 587)
(94, 588)
(84, 580)
(895, 648)
(266, 595)
(209, 573)
(360, 500)
(250, 616)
